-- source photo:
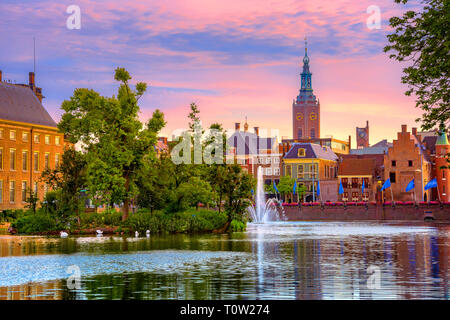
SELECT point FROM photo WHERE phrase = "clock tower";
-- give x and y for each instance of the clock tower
(306, 108)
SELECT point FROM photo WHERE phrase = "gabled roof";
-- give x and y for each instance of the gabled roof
(312, 151)
(380, 147)
(19, 103)
(250, 143)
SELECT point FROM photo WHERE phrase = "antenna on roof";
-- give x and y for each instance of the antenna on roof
(34, 55)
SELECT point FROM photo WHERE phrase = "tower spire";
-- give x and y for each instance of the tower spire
(306, 46)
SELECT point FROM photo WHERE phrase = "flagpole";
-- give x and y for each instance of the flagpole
(392, 195)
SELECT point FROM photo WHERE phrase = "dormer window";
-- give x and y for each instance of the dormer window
(301, 152)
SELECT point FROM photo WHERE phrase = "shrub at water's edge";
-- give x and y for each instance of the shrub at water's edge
(188, 221)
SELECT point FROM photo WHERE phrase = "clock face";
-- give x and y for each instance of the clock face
(299, 116)
(313, 116)
(362, 133)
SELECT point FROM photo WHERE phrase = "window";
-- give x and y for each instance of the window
(344, 182)
(366, 182)
(268, 160)
(12, 191)
(355, 196)
(276, 171)
(24, 160)
(260, 160)
(1, 158)
(313, 133)
(1, 133)
(443, 175)
(355, 183)
(268, 171)
(410, 163)
(35, 189)
(299, 133)
(301, 152)
(1, 191)
(288, 171)
(47, 139)
(12, 134)
(24, 136)
(276, 160)
(47, 160)
(345, 196)
(57, 140)
(37, 138)
(394, 163)
(300, 170)
(392, 177)
(56, 160)
(36, 161)
(12, 159)
(24, 191)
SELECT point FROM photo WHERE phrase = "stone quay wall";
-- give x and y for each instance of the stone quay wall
(368, 212)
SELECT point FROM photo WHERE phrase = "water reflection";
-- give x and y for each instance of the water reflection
(304, 260)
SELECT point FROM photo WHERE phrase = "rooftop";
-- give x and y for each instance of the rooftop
(312, 151)
(19, 103)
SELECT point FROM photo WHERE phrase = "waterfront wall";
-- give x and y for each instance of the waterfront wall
(369, 212)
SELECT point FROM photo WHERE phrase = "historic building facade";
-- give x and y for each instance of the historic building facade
(306, 108)
(310, 164)
(407, 159)
(29, 143)
(252, 151)
(442, 167)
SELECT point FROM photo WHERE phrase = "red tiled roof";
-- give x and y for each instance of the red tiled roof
(354, 167)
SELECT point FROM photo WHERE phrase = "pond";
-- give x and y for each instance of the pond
(285, 260)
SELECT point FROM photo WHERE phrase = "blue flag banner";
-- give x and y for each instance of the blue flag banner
(275, 186)
(410, 186)
(386, 184)
(318, 188)
(431, 184)
(341, 188)
(295, 187)
(362, 188)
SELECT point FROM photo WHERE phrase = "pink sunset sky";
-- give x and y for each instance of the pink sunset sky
(233, 58)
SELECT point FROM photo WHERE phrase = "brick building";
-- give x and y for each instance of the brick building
(252, 151)
(29, 142)
(407, 159)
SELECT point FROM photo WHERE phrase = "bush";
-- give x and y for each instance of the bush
(33, 223)
(237, 226)
(187, 221)
(108, 217)
(11, 215)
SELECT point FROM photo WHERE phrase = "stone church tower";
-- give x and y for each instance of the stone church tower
(306, 108)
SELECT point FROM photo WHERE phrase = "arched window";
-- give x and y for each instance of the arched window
(313, 133)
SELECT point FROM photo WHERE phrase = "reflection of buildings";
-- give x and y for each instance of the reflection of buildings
(50, 290)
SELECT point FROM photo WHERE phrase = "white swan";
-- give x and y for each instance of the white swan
(136, 234)
(148, 233)
(99, 231)
(63, 234)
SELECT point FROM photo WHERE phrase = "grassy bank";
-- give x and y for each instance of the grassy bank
(188, 221)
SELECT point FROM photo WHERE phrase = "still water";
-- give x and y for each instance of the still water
(286, 260)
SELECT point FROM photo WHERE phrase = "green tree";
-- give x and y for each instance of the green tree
(116, 142)
(69, 178)
(421, 39)
(286, 185)
(193, 192)
(31, 200)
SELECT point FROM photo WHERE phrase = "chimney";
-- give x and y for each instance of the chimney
(367, 123)
(404, 128)
(414, 131)
(349, 143)
(0, 75)
(256, 130)
(31, 80)
(237, 126)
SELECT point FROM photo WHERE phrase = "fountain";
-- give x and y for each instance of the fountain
(263, 211)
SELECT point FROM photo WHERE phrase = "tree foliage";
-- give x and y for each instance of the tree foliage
(422, 40)
(116, 142)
